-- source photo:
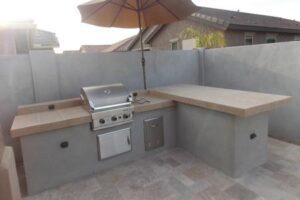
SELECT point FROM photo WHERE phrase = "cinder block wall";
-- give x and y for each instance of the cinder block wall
(270, 68)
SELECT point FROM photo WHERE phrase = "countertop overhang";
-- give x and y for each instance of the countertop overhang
(37, 118)
(234, 102)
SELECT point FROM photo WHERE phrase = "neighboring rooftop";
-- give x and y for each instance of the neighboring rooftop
(223, 19)
(19, 37)
(237, 19)
(123, 45)
(93, 48)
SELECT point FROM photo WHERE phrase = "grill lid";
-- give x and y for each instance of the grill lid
(106, 96)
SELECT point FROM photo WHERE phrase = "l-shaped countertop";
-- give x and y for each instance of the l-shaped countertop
(37, 118)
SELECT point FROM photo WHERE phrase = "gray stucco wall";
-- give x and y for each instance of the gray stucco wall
(16, 88)
(44, 76)
(162, 68)
(272, 68)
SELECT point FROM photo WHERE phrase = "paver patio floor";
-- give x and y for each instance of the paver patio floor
(175, 174)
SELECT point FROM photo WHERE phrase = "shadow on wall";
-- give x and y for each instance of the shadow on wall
(271, 68)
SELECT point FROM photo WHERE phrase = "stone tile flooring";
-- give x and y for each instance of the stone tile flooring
(177, 175)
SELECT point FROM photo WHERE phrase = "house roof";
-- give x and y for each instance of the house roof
(128, 43)
(120, 46)
(247, 21)
(93, 48)
(13, 35)
(226, 19)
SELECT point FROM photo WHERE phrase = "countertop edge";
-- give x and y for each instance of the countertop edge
(70, 122)
(199, 103)
(240, 112)
(26, 131)
(266, 108)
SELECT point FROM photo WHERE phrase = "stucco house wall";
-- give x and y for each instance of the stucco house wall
(237, 38)
(161, 41)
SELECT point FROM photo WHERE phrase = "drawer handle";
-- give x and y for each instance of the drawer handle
(64, 145)
(153, 125)
(128, 140)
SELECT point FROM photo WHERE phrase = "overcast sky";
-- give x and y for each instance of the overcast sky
(62, 17)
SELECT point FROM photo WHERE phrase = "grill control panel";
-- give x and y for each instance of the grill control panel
(110, 118)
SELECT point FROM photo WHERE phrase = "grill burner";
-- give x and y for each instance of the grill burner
(110, 105)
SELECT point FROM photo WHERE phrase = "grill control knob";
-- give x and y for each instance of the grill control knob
(125, 116)
(102, 121)
(114, 118)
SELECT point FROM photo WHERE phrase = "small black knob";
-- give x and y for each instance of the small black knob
(125, 116)
(102, 121)
(114, 118)
(51, 107)
(64, 145)
(253, 136)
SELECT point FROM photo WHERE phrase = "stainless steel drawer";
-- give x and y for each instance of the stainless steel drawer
(154, 133)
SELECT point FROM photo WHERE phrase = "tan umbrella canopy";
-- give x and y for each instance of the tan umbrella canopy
(135, 14)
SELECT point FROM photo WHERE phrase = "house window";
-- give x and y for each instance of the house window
(271, 38)
(174, 44)
(249, 38)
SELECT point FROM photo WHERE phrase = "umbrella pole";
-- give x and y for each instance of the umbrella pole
(143, 61)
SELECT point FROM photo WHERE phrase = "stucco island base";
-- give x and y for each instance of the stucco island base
(229, 143)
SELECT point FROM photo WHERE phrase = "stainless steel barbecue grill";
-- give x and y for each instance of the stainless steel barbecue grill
(110, 105)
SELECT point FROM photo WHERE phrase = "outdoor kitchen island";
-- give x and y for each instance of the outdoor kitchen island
(226, 128)
(60, 146)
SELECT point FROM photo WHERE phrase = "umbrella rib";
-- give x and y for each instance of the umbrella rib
(168, 10)
(109, 1)
(119, 11)
(150, 6)
(129, 8)
(145, 4)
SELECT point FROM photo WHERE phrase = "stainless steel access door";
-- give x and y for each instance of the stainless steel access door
(114, 143)
(154, 133)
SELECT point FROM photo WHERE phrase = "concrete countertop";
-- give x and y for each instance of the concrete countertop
(36, 118)
(235, 102)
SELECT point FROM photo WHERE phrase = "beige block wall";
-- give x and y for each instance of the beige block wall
(9, 182)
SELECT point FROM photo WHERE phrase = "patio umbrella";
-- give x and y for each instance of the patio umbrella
(135, 14)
